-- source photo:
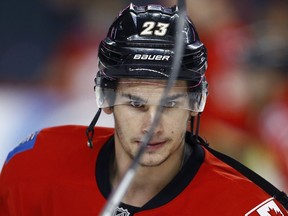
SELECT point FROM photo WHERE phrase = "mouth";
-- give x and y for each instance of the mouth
(154, 145)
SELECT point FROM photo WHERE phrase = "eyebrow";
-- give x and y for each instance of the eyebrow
(132, 97)
(176, 96)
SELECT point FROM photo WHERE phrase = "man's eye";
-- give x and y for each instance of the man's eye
(170, 104)
(136, 104)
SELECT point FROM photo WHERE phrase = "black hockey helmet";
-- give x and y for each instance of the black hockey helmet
(140, 44)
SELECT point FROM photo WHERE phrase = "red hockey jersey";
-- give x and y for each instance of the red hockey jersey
(53, 172)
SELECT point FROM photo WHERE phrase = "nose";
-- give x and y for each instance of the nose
(148, 119)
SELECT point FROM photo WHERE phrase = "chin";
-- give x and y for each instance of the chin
(149, 162)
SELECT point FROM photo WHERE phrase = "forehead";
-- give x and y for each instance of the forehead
(150, 85)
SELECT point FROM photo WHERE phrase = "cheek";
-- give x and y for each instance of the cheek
(124, 119)
(178, 124)
(177, 119)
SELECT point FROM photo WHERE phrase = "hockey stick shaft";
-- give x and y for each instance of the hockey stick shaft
(119, 192)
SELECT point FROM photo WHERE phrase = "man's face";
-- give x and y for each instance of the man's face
(133, 118)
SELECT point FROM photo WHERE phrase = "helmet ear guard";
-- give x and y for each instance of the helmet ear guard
(104, 91)
(198, 101)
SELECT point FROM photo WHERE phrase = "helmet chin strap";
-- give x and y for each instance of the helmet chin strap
(90, 129)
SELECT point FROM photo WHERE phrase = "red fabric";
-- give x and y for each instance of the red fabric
(57, 177)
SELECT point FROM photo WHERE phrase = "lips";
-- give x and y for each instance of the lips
(154, 145)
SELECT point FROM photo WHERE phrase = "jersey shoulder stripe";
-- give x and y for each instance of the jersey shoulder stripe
(25, 145)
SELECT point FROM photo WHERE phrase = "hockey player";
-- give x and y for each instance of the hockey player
(54, 173)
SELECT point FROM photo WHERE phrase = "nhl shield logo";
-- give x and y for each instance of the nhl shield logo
(121, 212)
(267, 208)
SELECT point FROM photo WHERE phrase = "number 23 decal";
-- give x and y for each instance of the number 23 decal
(153, 28)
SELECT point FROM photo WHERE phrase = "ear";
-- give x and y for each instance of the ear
(108, 110)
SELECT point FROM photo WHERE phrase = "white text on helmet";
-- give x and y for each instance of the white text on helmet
(151, 57)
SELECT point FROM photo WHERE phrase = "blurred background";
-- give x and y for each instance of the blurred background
(48, 60)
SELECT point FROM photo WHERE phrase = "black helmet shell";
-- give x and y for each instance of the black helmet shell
(140, 44)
